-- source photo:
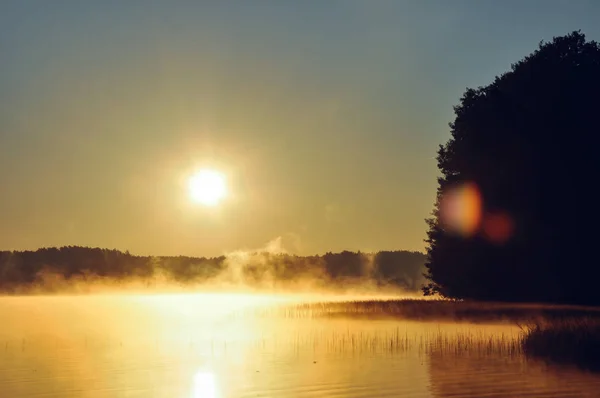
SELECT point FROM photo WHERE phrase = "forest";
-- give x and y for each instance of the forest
(51, 269)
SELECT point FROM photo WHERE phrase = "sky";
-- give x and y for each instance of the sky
(324, 116)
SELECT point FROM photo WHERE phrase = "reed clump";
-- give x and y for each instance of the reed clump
(570, 341)
(560, 334)
(431, 310)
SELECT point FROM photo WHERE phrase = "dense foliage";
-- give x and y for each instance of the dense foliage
(50, 268)
(528, 146)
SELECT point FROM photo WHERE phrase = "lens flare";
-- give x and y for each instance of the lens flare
(498, 227)
(460, 209)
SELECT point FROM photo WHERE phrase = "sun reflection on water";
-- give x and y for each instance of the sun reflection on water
(205, 385)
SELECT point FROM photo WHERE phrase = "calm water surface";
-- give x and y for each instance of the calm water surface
(204, 346)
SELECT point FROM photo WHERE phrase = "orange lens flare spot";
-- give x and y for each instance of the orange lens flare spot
(460, 209)
(498, 227)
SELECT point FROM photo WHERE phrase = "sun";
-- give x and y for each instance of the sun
(207, 187)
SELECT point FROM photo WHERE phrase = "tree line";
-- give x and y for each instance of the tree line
(19, 269)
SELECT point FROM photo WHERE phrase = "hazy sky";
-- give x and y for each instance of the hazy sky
(324, 115)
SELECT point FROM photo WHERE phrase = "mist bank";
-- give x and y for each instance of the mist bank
(87, 270)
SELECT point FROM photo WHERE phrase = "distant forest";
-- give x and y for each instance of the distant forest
(51, 269)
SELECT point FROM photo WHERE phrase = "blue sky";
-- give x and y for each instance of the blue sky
(324, 115)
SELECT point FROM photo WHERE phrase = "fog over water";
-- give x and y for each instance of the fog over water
(218, 345)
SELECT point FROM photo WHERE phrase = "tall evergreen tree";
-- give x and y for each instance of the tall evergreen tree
(515, 216)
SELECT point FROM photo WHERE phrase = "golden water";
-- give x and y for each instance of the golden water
(205, 345)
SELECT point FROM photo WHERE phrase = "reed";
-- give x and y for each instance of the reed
(430, 310)
(573, 341)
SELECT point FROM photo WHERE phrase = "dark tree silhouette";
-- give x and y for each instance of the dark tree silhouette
(515, 218)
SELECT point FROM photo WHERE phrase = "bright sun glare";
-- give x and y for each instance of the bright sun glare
(207, 187)
(204, 385)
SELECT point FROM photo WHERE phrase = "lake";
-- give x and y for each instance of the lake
(217, 346)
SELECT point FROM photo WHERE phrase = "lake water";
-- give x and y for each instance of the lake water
(206, 345)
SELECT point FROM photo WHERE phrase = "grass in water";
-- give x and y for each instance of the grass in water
(431, 310)
(567, 335)
(561, 334)
(571, 341)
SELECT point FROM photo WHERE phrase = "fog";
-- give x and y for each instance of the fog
(266, 270)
